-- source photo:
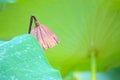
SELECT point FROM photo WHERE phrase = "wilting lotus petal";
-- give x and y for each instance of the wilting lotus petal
(46, 37)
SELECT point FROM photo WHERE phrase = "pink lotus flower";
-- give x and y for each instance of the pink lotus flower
(45, 36)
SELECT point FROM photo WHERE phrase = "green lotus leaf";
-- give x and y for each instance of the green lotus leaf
(81, 25)
(23, 59)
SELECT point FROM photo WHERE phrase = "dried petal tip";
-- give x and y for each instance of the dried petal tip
(46, 37)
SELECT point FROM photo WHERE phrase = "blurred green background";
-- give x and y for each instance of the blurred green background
(81, 25)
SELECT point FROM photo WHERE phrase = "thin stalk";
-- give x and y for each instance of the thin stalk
(31, 21)
(30, 25)
(93, 65)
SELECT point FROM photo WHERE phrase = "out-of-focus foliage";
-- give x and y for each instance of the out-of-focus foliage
(86, 76)
(80, 25)
(112, 74)
(4, 2)
(22, 59)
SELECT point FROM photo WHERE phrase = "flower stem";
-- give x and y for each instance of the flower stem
(31, 21)
(93, 65)
(30, 25)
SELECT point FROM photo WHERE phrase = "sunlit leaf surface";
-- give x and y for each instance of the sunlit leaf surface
(80, 26)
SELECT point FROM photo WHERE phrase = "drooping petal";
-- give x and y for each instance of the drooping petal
(46, 37)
